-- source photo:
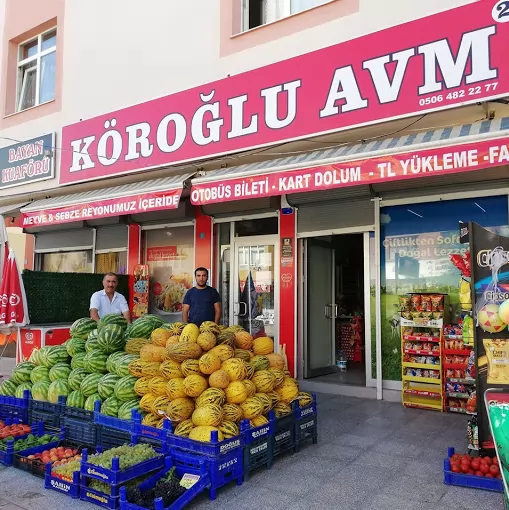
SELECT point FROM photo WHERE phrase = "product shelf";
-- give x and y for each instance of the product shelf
(423, 323)
(455, 366)
(436, 407)
(453, 394)
(430, 380)
(423, 393)
(419, 338)
(461, 381)
(457, 352)
(460, 410)
(435, 354)
(425, 366)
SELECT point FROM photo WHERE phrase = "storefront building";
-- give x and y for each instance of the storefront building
(315, 189)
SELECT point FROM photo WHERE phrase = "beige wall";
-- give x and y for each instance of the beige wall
(122, 52)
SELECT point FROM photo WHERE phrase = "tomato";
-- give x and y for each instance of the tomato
(470, 472)
(495, 461)
(465, 468)
(488, 461)
(489, 475)
(484, 468)
(466, 457)
(494, 470)
(476, 464)
(479, 473)
(455, 469)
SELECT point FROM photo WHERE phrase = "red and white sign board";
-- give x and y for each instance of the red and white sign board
(145, 202)
(449, 59)
(394, 167)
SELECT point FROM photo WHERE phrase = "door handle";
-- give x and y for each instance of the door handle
(326, 313)
(236, 309)
(245, 309)
(335, 311)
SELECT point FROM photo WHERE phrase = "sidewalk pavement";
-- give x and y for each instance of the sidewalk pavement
(370, 456)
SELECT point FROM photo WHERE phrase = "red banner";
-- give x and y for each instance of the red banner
(439, 161)
(452, 58)
(145, 202)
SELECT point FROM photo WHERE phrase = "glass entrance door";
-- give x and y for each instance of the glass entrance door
(255, 287)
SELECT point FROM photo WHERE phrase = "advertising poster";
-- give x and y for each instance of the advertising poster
(171, 266)
(140, 290)
(490, 277)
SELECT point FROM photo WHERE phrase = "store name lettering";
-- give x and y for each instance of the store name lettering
(444, 67)
(26, 151)
(425, 247)
(26, 170)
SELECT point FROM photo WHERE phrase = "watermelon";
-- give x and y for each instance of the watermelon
(82, 327)
(122, 364)
(141, 328)
(58, 388)
(39, 374)
(112, 318)
(74, 345)
(106, 386)
(111, 406)
(90, 402)
(154, 319)
(95, 361)
(124, 388)
(78, 360)
(8, 388)
(92, 344)
(89, 384)
(50, 356)
(40, 390)
(111, 362)
(21, 373)
(111, 338)
(34, 356)
(75, 377)
(124, 412)
(20, 390)
(75, 399)
(60, 371)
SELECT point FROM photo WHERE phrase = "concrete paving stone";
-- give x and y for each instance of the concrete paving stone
(402, 448)
(334, 495)
(472, 499)
(413, 486)
(361, 442)
(371, 431)
(298, 483)
(261, 498)
(381, 461)
(387, 502)
(334, 451)
(317, 466)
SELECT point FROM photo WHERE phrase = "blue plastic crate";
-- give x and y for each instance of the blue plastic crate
(222, 469)
(116, 423)
(258, 446)
(115, 476)
(7, 455)
(213, 449)
(181, 502)
(57, 484)
(12, 407)
(50, 414)
(83, 432)
(79, 414)
(283, 439)
(99, 498)
(155, 437)
(108, 437)
(306, 423)
(470, 481)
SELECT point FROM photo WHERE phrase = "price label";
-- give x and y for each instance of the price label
(189, 480)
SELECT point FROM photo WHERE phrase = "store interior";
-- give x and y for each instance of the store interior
(347, 341)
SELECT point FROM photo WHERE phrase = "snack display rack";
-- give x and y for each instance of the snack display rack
(421, 350)
(459, 370)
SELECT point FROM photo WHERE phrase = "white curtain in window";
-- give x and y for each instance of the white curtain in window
(272, 10)
(302, 5)
(48, 70)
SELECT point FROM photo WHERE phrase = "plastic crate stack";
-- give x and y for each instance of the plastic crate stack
(12, 408)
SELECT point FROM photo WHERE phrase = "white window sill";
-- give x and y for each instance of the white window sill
(29, 109)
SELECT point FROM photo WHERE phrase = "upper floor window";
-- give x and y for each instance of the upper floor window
(36, 70)
(260, 12)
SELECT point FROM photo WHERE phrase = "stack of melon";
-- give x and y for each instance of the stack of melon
(92, 365)
(209, 379)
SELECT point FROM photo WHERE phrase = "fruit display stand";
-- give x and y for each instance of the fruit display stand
(422, 382)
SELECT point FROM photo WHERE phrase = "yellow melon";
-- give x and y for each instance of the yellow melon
(276, 361)
(263, 345)
(170, 369)
(209, 414)
(288, 391)
(195, 385)
(219, 379)
(264, 381)
(236, 392)
(190, 333)
(223, 352)
(204, 434)
(235, 368)
(157, 386)
(175, 388)
(209, 363)
(250, 387)
(243, 340)
(151, 352)
(206, 340)
(180, 409)
(232, 412)
(175, 339)
(190, 367)
(160, 336)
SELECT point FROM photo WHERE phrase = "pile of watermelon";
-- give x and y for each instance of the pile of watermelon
(91, 365)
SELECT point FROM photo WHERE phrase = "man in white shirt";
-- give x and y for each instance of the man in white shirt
(106, 301)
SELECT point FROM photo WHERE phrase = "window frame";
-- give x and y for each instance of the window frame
(286, 12)
(36, 60)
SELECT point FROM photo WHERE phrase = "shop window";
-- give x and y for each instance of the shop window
(36, 71)
(169, 253)
(417, 242)
(114, 262)
(256, 13)
(67, 262)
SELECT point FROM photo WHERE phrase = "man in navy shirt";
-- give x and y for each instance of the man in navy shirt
(201, 303)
